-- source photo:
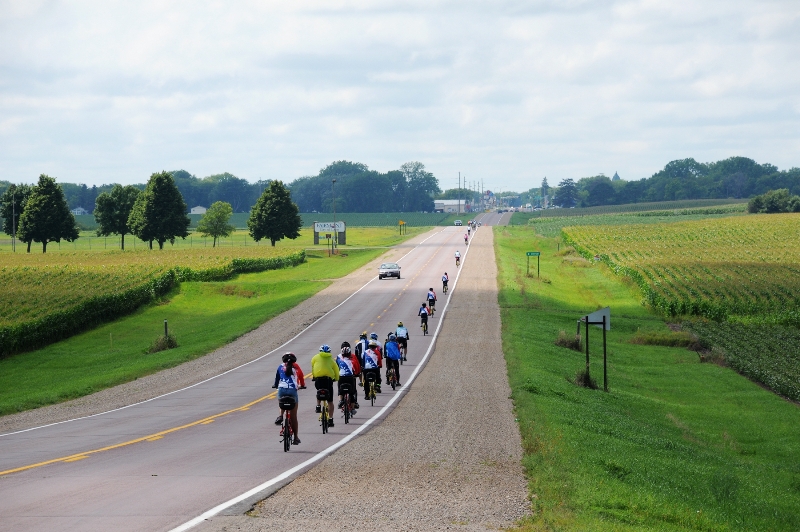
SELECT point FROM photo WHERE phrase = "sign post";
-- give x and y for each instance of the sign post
(533, 254)
(403, 228)
(600, 318)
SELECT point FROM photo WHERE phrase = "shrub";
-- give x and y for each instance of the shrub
(162, 343)
(565, 340)
(585, 380)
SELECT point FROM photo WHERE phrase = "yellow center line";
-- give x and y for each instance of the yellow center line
(150, 437)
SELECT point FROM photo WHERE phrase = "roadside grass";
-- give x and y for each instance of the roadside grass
(203, 317)
(675, 445)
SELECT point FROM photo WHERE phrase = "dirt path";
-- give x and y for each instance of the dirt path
(250, 346)
(448, 458)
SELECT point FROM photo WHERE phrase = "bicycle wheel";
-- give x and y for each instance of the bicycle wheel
(372, 393)
(287, 434)
(347, 411)
(324, 417)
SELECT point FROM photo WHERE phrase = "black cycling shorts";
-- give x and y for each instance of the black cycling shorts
(325, 383)
(348, 380)
(403, 342)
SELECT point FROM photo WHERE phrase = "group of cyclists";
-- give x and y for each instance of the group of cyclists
(353, 365)
(350, 367)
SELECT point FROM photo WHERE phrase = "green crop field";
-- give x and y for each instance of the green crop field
(742, 275)
(676, 444)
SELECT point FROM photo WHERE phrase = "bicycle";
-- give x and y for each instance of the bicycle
(431, 308)
(425, 328)
(345, 389)
(444, 288)
(370, 384)
(286, 405)
(322, 396)
(391, 377)
(458, 262)
(402, 353)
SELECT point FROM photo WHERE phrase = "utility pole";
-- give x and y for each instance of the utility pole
(458, 211)
(14, 221)
(333, 193)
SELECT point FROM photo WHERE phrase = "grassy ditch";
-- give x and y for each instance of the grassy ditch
(201, 315)
(674, 445)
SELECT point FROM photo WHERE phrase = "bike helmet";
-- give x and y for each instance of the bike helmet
(373, 343)
(399, 323)
(363, 334)
(373, 336)
(289, 358)
(431, 289)
(345, 344)
(346, 351)
(392, 338)
(424, 304)
(325, 348)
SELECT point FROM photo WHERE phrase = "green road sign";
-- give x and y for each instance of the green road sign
(534, 253)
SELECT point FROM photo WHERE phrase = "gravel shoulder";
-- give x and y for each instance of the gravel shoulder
(446, 458)
(246, 348)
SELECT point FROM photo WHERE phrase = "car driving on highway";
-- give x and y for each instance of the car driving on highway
(389, 269)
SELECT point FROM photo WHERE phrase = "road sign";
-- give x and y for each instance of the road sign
(324, 227)
(601, 318)
(534, 253)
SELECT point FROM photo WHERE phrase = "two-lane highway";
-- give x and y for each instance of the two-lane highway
(159, 464)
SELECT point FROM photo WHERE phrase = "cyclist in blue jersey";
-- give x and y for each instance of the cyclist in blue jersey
(289, 379)
(423, 314)
(372, 365)
(392, 351)
(361, 347)
(349, 369)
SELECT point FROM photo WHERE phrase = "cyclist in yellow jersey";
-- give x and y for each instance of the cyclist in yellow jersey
(324, 371)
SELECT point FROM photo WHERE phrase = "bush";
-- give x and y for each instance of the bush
(565, 340)
(584, 380)
(162, 343)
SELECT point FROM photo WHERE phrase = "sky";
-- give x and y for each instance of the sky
(504, 92)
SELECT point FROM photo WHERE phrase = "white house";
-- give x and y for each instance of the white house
(79, 211)
(198, 210)
(451, 205)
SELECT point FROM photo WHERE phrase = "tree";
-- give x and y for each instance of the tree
(567, 193)
(46, 217)
(112, 210)
(421, 186)
(159, 212)
(12, 203)
(214, 222)
(545, 188)
(275, 215)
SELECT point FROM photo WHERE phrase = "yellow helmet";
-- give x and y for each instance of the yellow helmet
(399, 323)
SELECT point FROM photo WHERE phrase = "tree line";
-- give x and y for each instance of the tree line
(40, 213)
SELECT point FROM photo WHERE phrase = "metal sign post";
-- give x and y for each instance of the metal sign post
(600, 318)
(533, 254)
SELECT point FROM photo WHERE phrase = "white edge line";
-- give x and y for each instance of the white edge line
(325, 452)
(225, 372)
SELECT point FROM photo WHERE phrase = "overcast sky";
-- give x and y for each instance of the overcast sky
(504, 92)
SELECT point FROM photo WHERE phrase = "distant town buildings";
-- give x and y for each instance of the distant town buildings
(198, 210)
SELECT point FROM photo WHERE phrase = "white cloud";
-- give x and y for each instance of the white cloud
(509, 91)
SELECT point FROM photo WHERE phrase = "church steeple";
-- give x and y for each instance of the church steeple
(616, 177)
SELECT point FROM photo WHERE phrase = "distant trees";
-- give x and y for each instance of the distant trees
(159, 212)
(567, 193)
(12, 203)
(275, 216)
(214, 222)
(113, 209)
(46, 217)
(774, 201)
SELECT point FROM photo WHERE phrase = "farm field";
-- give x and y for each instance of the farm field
(675, 445)
(45, 297)
(740, 275)
(522, 218)
(552, 226)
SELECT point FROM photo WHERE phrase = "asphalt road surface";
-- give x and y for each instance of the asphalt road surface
(160, 464)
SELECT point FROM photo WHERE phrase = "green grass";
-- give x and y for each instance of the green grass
(203, 316)
(675, 445)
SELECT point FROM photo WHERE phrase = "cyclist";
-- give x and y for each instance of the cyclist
(445, 280)
(401, 333)
(323, 372)
(423, 314)
(373, 362)
(392, 350)
(349, 369)
(458, 258)
(374, 337)
(466, 239)
(289, 379)
(431, 300)
(469, 229)
(361, 346)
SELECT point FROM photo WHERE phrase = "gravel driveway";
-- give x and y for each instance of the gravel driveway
(447, 458)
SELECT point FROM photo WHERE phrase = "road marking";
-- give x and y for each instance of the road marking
(325, 452)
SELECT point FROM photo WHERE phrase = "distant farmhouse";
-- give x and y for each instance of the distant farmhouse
(79, 211)
(198, 210)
